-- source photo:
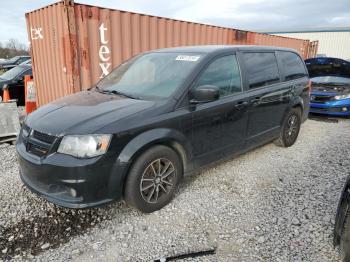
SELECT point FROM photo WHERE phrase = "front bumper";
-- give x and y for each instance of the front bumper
(71, 182)
(335, 108)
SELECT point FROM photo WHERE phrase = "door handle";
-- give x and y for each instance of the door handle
(240, 105)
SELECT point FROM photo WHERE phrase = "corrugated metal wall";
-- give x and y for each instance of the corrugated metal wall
(74, 45)
(107, 37)
(334, 44)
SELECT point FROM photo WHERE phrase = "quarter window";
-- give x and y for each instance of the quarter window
(293, 66)
(262, 69)
(223, 73)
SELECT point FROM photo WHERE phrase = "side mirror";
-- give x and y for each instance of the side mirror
(204, 94)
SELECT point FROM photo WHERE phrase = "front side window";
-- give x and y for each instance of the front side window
(293, 66)
(151, 76)
(262, 69)
(223, 73)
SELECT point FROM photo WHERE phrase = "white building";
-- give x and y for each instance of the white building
(333, 42)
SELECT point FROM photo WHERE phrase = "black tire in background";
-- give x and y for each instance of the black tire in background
(153, 179)
(290, 128)
(345, 239)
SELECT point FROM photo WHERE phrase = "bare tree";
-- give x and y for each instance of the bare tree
(12, 48)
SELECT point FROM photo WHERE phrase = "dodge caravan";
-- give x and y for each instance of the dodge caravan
(161, 115)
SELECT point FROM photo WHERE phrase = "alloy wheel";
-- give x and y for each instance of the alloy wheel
(292, 127)
(157, 180)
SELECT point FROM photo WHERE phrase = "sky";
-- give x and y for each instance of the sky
(254, 15)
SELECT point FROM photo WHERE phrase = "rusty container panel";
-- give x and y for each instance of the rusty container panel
(75, 45)
(313, 48)
(51, 50)
(270, 40)
(108, 37)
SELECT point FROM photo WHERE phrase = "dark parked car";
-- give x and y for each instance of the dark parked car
(14, 78)
(342, 223)
(330, 93)
(13, 62)
(159, 116)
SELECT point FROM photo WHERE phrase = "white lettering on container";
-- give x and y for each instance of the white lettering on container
(104, 52)
(36, 33)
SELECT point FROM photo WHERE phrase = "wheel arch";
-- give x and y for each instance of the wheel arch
(160, 136)
(295, 103)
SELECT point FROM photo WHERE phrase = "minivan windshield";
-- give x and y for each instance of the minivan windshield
(150, 76)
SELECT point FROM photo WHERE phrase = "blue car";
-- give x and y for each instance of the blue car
(330, 81)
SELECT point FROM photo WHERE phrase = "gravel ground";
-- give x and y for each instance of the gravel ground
(271, 204)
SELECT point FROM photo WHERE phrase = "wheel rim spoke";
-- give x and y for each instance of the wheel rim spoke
(163, 188)
(147, 187)
(157, 193)
(151, 194)
(167, 174)
(166, 168)
(167, 182)
(159, 167)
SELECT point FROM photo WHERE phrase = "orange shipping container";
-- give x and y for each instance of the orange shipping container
(74, 45)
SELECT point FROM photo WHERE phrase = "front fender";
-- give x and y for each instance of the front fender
(154, 136)
(137, 145)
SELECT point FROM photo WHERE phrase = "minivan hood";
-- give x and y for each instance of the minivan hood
(84, 113)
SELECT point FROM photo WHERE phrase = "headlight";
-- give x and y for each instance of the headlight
(342, 97)
(84, 146)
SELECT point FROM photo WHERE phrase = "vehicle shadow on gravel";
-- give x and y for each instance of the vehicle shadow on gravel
(326, 118)
(30, 236)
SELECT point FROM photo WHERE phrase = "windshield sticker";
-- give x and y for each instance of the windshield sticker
(189, 58)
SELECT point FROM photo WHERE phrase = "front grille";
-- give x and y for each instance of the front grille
(37, 150)
(37, 143)
(43, 137)
(330, 109)
(321, 99)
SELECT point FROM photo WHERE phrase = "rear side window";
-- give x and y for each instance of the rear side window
(223, 73)
(262, 69)
(293, 66)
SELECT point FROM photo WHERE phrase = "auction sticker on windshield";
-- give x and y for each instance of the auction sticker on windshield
(189, 58)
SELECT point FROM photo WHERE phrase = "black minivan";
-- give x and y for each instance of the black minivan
(159, 116)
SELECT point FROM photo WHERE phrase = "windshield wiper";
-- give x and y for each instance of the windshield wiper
(115, 92)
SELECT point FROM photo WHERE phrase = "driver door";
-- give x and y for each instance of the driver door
(219, 126)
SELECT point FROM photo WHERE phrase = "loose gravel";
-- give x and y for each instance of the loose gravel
(271, 204)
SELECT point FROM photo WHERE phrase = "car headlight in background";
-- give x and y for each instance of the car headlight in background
(84, 146)
(342, 97)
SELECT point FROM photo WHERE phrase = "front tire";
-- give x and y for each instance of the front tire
(153, 179)
(290, 128)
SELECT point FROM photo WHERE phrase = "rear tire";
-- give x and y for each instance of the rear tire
(290, 128)
(153, 179)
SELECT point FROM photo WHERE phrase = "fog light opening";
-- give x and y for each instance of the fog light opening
(344, 109)
(73, 192)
